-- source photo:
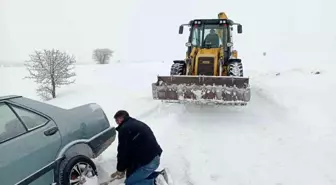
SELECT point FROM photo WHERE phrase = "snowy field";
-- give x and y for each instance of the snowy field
(285, 136)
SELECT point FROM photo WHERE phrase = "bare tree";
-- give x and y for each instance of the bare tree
(102, 56)
(50, 69)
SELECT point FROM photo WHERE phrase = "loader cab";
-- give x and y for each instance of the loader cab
(208, 33)
(201, 34)
(208, 36)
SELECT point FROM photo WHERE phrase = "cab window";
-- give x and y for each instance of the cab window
(196, 37)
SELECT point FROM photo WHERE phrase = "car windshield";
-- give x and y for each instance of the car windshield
(208, 36)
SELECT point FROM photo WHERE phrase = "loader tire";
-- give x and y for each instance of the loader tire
(178, 69)
(235, 68)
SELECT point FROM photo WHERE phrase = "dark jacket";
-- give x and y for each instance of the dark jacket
(137, 145)
(213, 38)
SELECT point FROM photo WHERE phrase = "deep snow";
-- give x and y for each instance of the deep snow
(285, 136)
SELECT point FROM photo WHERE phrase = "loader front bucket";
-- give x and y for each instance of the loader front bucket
(202, 89)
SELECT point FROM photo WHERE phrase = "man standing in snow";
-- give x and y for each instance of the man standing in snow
(138, 151)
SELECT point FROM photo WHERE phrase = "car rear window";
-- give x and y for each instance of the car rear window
(10, 125)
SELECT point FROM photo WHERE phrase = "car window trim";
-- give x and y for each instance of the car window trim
(18, 117)
(10, 104)
(24, 126)
(29, 110)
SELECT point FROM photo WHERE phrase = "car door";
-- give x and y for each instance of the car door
(29, 142)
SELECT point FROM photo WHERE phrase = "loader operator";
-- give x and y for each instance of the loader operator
(138, 150)
(212, 39)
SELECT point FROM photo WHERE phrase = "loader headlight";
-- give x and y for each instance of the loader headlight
(229, 44)
(188, 44)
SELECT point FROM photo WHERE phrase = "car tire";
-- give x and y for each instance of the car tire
(67, 169)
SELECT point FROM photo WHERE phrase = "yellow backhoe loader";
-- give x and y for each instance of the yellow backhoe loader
(211, 71)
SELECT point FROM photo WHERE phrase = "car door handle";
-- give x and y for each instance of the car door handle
(51, 131)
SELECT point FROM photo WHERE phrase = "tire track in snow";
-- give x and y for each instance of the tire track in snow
(181, 127)
(154, 110)
(187, 176)
(194, 128)
(148, 112)
(264, 102)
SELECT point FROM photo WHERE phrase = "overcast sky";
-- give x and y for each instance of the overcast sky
(148, 29)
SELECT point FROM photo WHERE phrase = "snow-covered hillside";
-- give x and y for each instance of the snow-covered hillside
(285, 136)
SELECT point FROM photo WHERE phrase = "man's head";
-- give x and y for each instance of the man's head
(120, 116)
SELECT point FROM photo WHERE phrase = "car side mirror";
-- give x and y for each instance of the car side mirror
(181, 29)
(240, 28)
(188, 44)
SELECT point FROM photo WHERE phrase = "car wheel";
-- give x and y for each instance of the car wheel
(75, 170)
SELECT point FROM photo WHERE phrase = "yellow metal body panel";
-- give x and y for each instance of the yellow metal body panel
(212, 52)
(222, 15)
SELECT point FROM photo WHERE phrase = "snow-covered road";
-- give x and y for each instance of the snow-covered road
(285, 136)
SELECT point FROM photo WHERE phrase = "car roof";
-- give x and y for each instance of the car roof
(8, 97)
